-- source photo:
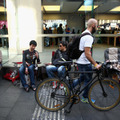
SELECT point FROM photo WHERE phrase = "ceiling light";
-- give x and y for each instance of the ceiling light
(2, 9)
(52, 8)
(86, 8)
(116, 9)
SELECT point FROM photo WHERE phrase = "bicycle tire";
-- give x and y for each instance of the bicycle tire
(106, 101)
(52, 99)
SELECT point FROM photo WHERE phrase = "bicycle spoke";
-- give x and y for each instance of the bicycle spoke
(104, 101)
(60, 96)
(51, 98)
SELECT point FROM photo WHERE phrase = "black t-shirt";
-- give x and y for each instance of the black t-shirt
(29, 57)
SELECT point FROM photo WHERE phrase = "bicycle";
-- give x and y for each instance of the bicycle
(105, 91)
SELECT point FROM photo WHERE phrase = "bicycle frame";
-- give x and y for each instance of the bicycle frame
(79, 72)
(78, 91)
(98, 81)
(99, 75)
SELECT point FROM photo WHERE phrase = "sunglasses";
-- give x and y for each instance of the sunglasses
(60, 45)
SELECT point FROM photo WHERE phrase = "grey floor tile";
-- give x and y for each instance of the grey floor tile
(4, 111)
(2, 118)
(21, 111)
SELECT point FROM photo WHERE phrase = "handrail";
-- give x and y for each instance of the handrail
(69, 35)
(107, 35)
(2, 36)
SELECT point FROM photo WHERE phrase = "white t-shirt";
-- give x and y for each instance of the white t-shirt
(86, 41)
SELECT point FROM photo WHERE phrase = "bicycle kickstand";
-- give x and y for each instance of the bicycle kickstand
(70, 107)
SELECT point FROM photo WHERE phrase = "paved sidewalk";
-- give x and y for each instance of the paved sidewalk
(16, 104)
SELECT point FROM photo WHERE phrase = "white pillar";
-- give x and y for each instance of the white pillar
(24, 24)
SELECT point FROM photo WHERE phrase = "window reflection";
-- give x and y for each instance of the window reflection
(4, 44)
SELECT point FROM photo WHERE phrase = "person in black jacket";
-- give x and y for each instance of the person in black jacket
(29, 57)
(60, 55)
(60, 31)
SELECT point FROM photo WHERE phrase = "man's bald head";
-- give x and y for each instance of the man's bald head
(92, 25)
(91, 22)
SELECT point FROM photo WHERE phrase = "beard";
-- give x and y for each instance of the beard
(93, 30)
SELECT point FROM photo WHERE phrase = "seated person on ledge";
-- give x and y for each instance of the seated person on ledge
(60, 55)
(29, 57)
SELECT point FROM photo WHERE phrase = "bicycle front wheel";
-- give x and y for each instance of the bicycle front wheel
(52, 98)
(106, 94)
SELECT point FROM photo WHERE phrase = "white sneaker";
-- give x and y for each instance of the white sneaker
(61, 86)
(54, 84)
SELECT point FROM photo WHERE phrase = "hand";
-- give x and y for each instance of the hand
(97, 66)
(27, 64)
(38, 62)
(26, 70)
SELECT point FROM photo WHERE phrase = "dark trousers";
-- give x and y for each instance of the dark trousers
(86, 77)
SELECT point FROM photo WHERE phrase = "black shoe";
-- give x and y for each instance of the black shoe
(33, 87)
(26, 89)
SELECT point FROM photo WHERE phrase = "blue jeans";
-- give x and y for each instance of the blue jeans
(31, 73)
(86, 77)
(51, 69)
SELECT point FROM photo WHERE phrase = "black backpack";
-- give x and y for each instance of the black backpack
(73, 47)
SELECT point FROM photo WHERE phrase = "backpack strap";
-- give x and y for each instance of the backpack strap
(86, 33)
(60, 54)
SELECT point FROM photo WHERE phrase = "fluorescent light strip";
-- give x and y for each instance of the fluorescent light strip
(86, 8)
(52, 7)
(116, 9)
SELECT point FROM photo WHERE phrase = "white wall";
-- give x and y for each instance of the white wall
(24, 24)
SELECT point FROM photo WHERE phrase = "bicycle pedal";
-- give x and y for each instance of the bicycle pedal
(67, 111)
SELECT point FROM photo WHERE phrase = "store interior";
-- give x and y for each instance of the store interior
(74, 14)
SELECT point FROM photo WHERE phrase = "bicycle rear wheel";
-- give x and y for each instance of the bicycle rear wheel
(52, 99)
(104, 100)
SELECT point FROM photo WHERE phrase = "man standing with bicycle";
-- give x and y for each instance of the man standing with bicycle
(85, 61)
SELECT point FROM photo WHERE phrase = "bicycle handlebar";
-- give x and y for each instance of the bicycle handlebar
(93, 71)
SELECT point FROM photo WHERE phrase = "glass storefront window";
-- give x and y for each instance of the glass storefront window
(3, 31)
(77, 12)
(73, 16)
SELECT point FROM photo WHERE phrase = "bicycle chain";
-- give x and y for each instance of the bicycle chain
(76, 97)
